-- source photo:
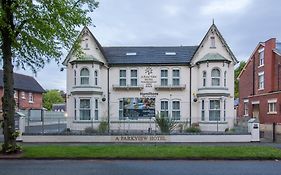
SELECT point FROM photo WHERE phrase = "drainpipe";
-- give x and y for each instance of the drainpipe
(108, 111)
(254, 66)
(190, 95)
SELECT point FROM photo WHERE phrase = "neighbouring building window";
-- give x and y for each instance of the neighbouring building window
(74, 77)
(30, 98)
(96, 77)
(261, 80)
(85, 109)
(261, 55)
(214, 111)
(134, 77)
(84, 76)
(246, 109)
(203, 110)
(213, 43)
(96, 109)
(176, 110)
(164, 77)
(121, 114)
(176, 77)
(224, 79)
(204, 78)
(23, 95)
(272, 106)
(164, 108)
(15, 94)
(122, 78)
(75, 109)
(215, 75)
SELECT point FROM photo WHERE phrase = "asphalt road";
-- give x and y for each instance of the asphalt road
(115, 167)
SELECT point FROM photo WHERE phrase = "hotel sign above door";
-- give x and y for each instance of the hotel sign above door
(148, 79)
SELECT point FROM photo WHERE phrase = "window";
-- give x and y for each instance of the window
(203, 110)
(164, 109)
(176, 77)
(86, 44)
(85, 109)
(246, 109)
(204, 78)
(74, 77)
(22, 95)
(30, 97)
(96, 109)
(96, 77)
(15, 94)
(215, 74)
(224, 110)
(84, 76)
(75, 109)
(261, 55)
(261, 80)
(213, 44)
(272, 106)
(164, 77)
(134, 77)
(224, 79)
(214, 111)
(176, 110)
(121, 114)
(122, 78)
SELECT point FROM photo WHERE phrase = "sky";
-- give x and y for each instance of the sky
(243, 24)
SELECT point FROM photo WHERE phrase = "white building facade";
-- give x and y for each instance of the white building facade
(128, 86)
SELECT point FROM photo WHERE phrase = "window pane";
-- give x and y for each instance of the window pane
(122, 73)
(134, 73)
(84, 103)
(214, 104)
(85, 114)
(164, 82)
(96, 114)
(215, 81)
(84, 80)
(84, 72)
(176, 73)
(176, 105)
(176, 115)
(215, 73)
(122, 82)
(202, 115)
(176, 82)
(164, 73)
(214, 115)
(134, 82)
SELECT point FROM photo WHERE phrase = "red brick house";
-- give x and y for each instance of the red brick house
(28, 92)
(260, 84)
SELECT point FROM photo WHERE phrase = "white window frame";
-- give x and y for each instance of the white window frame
(121, 109)
(122, 78)
(261, 57)
(246, 108)
(215, 109)
(174, 110)
(133, 78)
(213, 42)
(218, 77)
(30, 97)
(75, 109)
(175, 77)
(96, 109)
(23, 95)
(203, 113)
(75, 77)
(96, 78)
(90, 109)
(224, 79)
(204, 78)
(163, 110)
(164, 77)
(86, 77)
(260, 83)
(272, 106)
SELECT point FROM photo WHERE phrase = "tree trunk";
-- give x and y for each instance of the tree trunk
(8, 102)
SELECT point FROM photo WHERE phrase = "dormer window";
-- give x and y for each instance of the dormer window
(86, 46)
(170, 53)
(131, 53)
(261, 56)
(213, 42)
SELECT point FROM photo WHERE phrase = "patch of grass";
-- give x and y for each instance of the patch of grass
(152, 152)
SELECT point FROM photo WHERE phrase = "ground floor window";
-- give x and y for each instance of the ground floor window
(246, 109)
(272, 107)
(85, 109)
(164, 108)
(121, 113)
(214, 111)
(176, 110)
(96, 109)
(202, 110)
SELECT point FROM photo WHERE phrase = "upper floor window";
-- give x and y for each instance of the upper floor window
(30, 98)
(122, 78)
(134, 77)
(224, 79)
(164, 77)
(176, 77)
(23, 95)
(15, 94)
(84, 76)
(215, 74)
(204, 78)
(261, 57)
(74, 77)
(96, 77)
(261, 80)
(213, 42)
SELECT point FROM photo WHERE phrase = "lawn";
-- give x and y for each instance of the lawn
(151, 152)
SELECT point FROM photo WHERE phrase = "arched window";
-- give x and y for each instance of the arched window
(224, 79)
(84, 76)
(215, 77)
(96, 77)
(204, 78)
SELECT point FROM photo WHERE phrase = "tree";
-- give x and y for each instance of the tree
(51, 97)
(236, 82)
(31, 34)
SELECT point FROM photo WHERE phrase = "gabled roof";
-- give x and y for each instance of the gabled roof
(24, 82)
(222, 40)
(149, 55)
(79, 36)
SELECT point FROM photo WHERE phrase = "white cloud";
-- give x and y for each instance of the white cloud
(224, 6)
(172, 10)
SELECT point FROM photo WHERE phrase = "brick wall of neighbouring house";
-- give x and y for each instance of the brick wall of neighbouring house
(23, 103)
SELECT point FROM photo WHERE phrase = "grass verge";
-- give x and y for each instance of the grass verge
(151, 152)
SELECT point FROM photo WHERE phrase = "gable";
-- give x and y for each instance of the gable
(206, 47)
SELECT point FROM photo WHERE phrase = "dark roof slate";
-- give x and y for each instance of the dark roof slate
(149, 55)
(24, 82)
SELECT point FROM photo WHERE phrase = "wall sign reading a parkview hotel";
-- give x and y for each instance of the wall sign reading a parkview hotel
(140, 138)
(148, 79)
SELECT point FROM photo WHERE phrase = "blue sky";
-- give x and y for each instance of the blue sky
(243, 23)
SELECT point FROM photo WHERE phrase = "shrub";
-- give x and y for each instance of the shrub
(90, 130)
(193, 130)
(166, 124)
(103, 127)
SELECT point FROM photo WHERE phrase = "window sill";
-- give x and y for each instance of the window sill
(260, 66)
(261, 89)
(272, 113)
(31, 102)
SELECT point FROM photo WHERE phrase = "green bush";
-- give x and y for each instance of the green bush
(166, 124)
(90, 130)
(103, 127)
(193, 129)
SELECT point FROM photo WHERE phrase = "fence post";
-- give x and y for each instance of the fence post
(273, 132)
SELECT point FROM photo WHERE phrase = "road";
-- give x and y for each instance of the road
(115, 167)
